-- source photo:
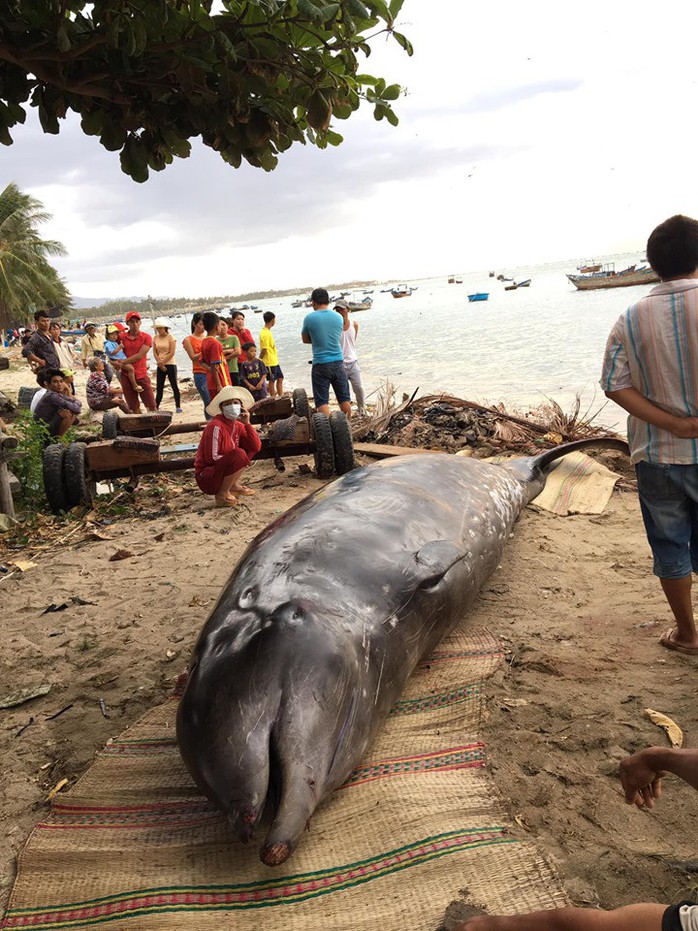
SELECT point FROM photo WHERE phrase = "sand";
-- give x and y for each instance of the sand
(574, 601)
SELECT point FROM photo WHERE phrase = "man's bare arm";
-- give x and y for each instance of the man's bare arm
(639, 406)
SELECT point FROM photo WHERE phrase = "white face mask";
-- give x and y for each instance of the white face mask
(232, 411)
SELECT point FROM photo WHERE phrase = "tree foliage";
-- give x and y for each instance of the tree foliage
(27, 278)
(146, 76)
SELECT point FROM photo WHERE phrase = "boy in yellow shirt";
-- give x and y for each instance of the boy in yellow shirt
(269, 356)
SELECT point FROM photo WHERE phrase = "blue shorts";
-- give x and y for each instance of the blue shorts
(325, 374)
(669, 503)
(274, 373)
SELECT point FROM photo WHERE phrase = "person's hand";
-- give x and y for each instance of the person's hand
(163, 368)
(40, 363)
(685, 427)
(641, 781)
(244, 416)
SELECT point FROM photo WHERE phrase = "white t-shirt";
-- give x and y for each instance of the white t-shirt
(35, 400)
(347, 340)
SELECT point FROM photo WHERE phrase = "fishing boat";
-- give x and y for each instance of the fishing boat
(510, 287)
(402, 291)
(589, 268)
(478, 296)
(523, 284)
(297, 303)
(608, 277)
(451, 279)
(365, 304)
(503, 278)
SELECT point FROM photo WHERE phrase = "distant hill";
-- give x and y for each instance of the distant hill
(80, 303)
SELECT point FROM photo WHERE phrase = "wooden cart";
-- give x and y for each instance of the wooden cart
(71, 473)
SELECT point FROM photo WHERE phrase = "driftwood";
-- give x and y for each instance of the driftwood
(7, 505)
(499, 415)
(451, 423)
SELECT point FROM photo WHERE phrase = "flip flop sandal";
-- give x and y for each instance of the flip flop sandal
(669, 643)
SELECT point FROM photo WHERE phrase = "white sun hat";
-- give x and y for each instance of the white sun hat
(163, 322)
(230, 393)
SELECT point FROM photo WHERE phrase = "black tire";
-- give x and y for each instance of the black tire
(25, 396)
(80, 489)
(324, 447)
(343, 443)
(110, 425)
(301, 405)
(54, 478)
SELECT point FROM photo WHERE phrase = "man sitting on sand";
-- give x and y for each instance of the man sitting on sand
(651, 369)
(58, 409)
(227, 445)
(641, 777)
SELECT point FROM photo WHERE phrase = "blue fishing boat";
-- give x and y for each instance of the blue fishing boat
(478, 296)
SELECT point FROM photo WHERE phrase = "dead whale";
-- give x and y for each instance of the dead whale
(324, 619)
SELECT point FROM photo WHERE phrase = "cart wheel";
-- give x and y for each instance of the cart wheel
(25, 396)
(80, 489)
(110, 425)
(54, 478)
(301, 405)
(324, 447)
(343, 443)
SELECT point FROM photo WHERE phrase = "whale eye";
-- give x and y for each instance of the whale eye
(248, 597)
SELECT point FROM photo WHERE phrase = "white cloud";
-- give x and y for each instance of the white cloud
(527, 134)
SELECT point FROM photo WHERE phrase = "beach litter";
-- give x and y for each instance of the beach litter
(23, 695)
(673, 731)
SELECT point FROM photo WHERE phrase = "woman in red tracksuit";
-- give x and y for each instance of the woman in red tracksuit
(228, 443)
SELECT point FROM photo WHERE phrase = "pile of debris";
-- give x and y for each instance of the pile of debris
(450, 424)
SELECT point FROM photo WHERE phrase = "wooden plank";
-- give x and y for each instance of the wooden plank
(156, 421)
(383, 450)
(7, 505)
(105, 456)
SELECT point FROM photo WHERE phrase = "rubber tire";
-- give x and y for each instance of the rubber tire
(324, 447)
(110, 425)
(343, 443)
(25, 396)
(80, 489)
(54, 478)
(301, 405)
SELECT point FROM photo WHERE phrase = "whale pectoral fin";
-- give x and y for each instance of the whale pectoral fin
(434, 560)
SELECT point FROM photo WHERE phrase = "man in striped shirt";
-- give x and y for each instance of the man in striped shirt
(651, 370)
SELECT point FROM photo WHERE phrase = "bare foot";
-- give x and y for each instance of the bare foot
(228, 501)
(243, 490)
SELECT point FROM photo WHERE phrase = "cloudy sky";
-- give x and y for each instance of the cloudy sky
(528, 133)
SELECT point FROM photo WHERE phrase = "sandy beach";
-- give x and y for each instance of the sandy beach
(574, 602)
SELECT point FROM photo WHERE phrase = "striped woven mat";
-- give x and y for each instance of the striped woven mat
(134, 846)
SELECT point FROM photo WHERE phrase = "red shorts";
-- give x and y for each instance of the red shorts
(210, 478)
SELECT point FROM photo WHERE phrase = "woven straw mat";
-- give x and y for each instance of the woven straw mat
(134, 846)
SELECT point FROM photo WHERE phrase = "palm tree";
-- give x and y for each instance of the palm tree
(27, 278)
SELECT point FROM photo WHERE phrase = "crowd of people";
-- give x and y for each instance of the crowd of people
(231, 372)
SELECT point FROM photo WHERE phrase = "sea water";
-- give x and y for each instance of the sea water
(518, 347)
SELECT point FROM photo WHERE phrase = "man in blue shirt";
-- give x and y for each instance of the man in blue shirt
(322, 329)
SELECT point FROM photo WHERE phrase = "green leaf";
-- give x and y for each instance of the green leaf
(395, 7)
(366, 79)
(357, 9)
(392, 92)
(319, 111)
(403, 42)
(134, 159)
(62, 39)
(391, 117)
